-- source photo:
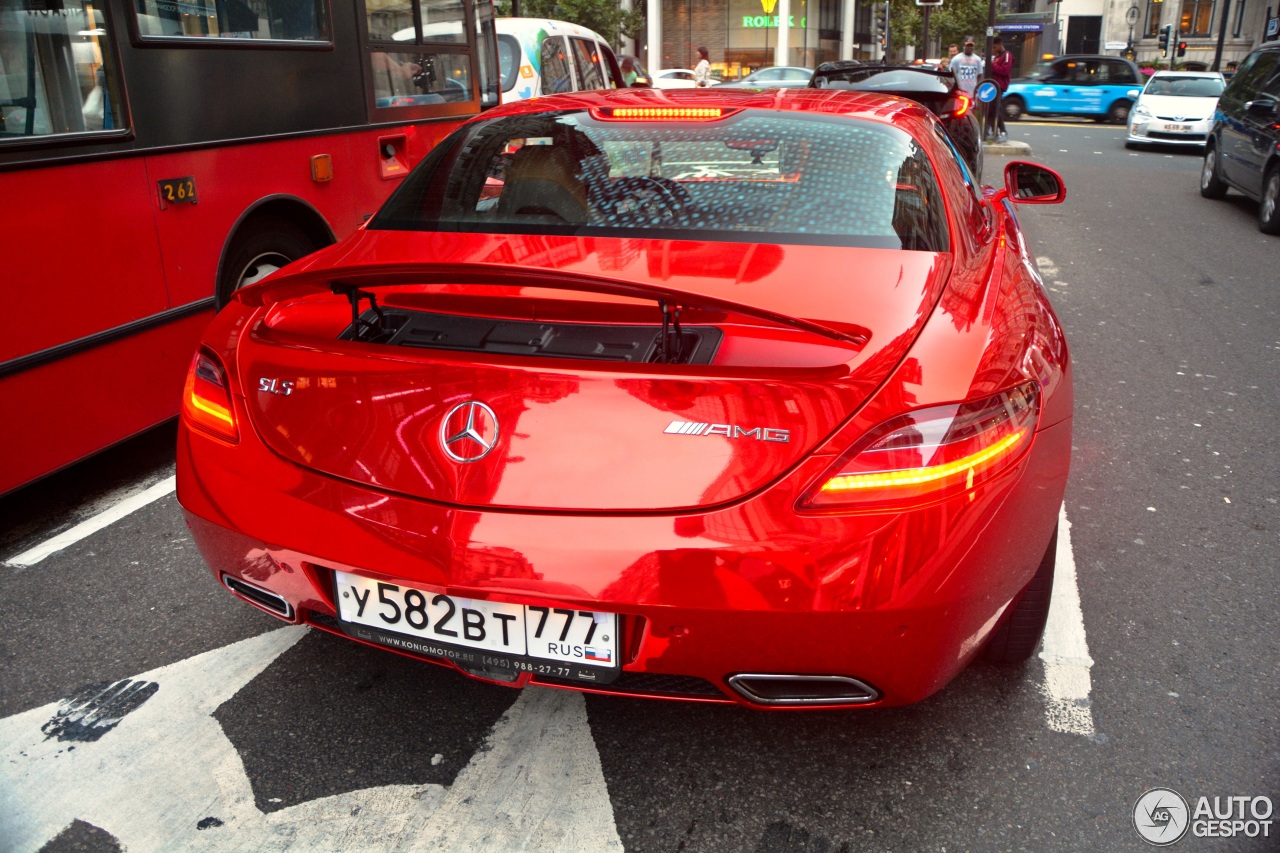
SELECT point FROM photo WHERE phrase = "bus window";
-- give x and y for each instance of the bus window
(409, 79)
(280, 20)
(418, 72)
(556, 77)
(587, 60)
(57, 71)
(443, 20)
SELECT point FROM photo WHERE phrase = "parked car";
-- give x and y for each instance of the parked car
(1100, 87)
(721, 396)
(933, 87)
(1243, 149)
(776, 77)
(1175, 108)
(673, 78)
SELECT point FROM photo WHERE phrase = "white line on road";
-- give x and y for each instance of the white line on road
(167, 767)
(1065, 651)
(93, 525)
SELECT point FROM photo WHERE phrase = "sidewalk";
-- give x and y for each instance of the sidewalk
(1009, 148)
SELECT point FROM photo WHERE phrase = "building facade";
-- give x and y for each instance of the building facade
(741, 35)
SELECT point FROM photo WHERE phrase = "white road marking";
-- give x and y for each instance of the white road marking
(168, 765)
(92, 525)
(1065, 651)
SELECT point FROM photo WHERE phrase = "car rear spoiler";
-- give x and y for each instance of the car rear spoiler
(357, 282)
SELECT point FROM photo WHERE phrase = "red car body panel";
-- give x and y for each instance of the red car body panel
(697, 542)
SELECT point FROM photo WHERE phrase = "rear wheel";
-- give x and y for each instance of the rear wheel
(1013, 108)
(1211, 185)
(1018, 635)
(1119, 113)
(262, 247)
(1269, 209)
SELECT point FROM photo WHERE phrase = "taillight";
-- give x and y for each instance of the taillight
(206, 400)
(963, 102)
(932, 453)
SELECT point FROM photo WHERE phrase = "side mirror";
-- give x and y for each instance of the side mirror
(1031, 183)
(1134, 93)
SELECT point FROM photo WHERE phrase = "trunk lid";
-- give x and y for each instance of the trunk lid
(523, 384)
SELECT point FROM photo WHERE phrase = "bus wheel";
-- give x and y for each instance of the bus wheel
(262, 247)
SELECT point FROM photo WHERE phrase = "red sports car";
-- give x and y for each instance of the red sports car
(717, 396)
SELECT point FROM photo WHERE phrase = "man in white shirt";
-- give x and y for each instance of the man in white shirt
(967, 67)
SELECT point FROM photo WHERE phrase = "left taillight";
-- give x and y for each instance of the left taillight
(931, 454)
(206, 399)
(963, 102)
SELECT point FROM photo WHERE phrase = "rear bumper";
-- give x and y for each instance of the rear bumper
(898, 601)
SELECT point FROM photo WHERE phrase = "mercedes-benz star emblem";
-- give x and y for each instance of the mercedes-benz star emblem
(469, 431)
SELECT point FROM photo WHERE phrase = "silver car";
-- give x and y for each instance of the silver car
(1175, 108)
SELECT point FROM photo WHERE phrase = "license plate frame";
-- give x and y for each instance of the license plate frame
(518, 630)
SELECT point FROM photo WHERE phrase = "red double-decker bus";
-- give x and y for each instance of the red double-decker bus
(157, 154)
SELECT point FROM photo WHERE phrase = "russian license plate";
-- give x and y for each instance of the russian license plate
(562, 642)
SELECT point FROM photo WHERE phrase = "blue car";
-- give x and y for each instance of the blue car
(1100, 87)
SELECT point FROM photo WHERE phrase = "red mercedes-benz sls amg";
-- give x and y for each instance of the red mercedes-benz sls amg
(733, 397)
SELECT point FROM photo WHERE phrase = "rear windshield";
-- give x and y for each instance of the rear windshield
(1185, 87)
(749, 177)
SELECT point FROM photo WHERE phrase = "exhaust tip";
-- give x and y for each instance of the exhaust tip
(269, 601)
(766, 689)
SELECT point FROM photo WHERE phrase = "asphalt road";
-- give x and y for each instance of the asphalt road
(235, 733)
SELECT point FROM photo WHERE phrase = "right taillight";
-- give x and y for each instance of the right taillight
(206, 399)
(931, 453)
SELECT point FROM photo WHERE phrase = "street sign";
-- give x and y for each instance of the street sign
(986, 91)
(1115, 45)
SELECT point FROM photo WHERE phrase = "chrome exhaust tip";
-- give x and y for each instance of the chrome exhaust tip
(269, 601)
(764, 689)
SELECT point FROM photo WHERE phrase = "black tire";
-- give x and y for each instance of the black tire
(1211, 183)
(1017, 636)
(261, 247)
(1269, 206)
(1014, 108)
(1118, 113)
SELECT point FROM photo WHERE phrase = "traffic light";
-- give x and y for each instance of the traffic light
(1166, 33)
(882, 24)
(1182, 48)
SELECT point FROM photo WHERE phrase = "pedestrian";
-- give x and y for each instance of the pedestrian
(1001, 69)
(952, 50)
(967, 67)
(629, 73)
(702, 71)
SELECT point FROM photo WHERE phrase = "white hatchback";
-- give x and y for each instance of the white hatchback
(1175, 108)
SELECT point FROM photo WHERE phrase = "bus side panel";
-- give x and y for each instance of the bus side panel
(230, 181)
(80, 254)
(63, 411)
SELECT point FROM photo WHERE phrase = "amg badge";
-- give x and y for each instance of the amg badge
(728, 431)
